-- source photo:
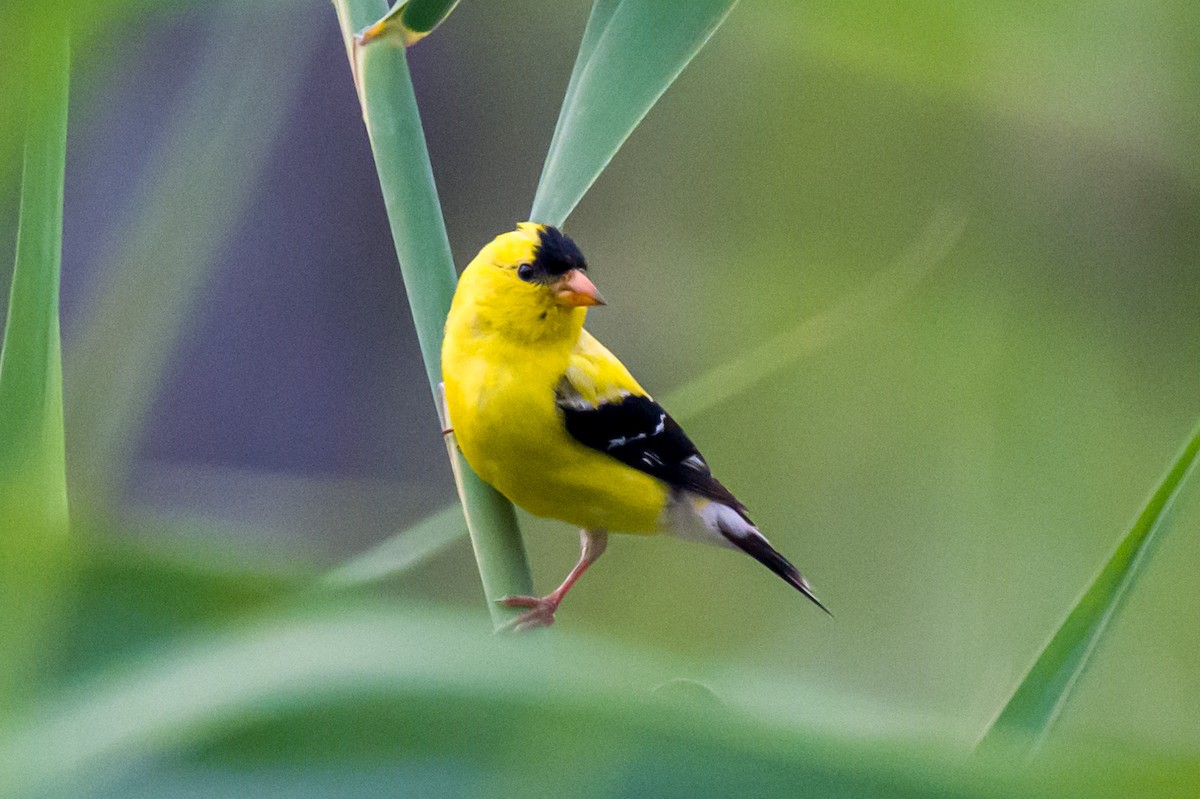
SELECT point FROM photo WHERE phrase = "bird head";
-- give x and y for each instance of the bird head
(530, 282)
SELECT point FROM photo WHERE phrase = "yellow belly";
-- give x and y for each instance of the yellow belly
(511, 433)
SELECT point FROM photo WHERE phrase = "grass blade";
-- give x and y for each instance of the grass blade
(198, 184)
(781, 351)
(1044, 692)
(401, 552)
(632, 51)
(393, 122)
(33, 486)
(598, 19)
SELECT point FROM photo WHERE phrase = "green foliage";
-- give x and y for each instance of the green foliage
(33, 491)
(632, 50)
(129, 601)
(401, 552)
(161, 270)
(1044, 693)
(981, 416)
(343, 690)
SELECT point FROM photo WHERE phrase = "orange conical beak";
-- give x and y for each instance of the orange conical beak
(575, 289)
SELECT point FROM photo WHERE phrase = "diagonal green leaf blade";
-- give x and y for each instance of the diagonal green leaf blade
(598, 19)
(631, 53)
(400, 552)
(33, 488)
(198, 184)
(780, 352)
(1045, 691)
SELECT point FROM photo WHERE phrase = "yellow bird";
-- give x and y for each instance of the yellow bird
(551, 419)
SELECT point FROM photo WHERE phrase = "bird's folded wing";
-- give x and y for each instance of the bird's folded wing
(604, 408)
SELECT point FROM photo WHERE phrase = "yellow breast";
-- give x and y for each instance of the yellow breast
(500, 396)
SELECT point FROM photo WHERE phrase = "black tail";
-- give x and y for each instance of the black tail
(757, 547)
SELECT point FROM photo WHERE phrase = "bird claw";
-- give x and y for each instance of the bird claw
(540, 613)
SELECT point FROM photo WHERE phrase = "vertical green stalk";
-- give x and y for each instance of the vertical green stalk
(33, 490)
(393, 122)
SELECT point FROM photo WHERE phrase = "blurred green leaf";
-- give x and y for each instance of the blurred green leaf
(129, 598)
(632, 50)
(401, 552)
(1045, 691)
(444, 707)
(198, 183)
(773, 355)
(393, 121)
(33, 488)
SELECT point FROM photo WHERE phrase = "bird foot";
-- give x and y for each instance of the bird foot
(540, 613)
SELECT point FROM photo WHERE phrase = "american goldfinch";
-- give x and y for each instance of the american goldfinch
(551, 419)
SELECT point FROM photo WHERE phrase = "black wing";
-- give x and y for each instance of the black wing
(639, 433)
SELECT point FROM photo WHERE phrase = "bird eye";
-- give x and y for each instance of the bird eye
(525, 272)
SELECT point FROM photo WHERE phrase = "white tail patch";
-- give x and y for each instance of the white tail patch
(694, 518)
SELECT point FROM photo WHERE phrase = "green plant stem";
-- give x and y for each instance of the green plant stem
(30, 380)
(393, 123)
(33, 489)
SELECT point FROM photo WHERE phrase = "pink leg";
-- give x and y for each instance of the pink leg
(542, 608)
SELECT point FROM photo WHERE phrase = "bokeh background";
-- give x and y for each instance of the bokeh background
(949, 465)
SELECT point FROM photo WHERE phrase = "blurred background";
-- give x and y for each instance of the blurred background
(949, 464)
